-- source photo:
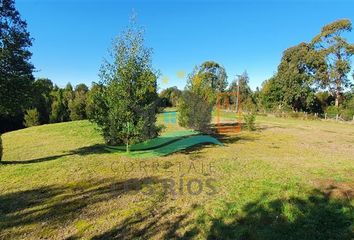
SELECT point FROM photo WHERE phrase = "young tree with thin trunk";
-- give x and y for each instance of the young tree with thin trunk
(126, 105)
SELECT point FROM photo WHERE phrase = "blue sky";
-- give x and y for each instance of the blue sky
(73, 36)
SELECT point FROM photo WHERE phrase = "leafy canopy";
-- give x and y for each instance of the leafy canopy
(126, 102)
(15, 68)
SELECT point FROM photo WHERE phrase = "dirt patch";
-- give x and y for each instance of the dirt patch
(338, 190)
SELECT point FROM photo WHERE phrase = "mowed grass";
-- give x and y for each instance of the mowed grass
(291, 179)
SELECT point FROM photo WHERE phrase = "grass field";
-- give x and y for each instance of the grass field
(290, 179)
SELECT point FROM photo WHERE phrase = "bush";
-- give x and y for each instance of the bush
(31, 118)
(332, 111)
(250, 121)
(347, 114)
(0, 148)
(194, 111)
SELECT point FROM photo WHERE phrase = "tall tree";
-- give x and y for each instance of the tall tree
(15, 68)
(292, 86)
(77, 106)
(297, 72)
(337, 53)
(169, 97)
(241, 84)
(209, 74)
(195, 104)
(42, 88)
(129, 99)
(59, 108)
(271, 95)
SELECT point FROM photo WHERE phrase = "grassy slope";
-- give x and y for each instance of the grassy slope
(290, 179)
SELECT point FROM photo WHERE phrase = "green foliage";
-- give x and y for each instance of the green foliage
(31, 118)
(194, 111)
(292, 85)
(128, 93)
(336, 52)
(247, 100)
(169, 97)
(349, 103)
(250, 121)
(77, 106)
(214, 74)
(207, 79)
(196, 102)
(332, 110)
(345, 111)
(324, 99)
(15, 68)
(325, 60)
(95, 104)
(271, 96)
(42, 98)
(59, 108)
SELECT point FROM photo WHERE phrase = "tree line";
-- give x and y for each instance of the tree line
(311, 77)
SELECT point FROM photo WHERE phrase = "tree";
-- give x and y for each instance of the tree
(127, 105)
(296, 75)
(337, 53)
(169, 97)
(292, 86)
(196, 102)
(15, 68)
(95, 104)
(245, 92)
(194, 111)
(59, 110)
(31, 118)
(208, 79)
(271, 95)
(42, 88)
(77, 106)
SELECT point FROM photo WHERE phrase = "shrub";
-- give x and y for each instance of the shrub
(347, 114)
(31, 118)
(0, 148)
(332, 111)
(194, 111)
(250, 121)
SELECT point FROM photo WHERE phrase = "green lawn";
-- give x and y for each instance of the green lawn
(290, 179)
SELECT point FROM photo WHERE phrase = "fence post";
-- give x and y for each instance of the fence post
(337, 117)
(353, 118)
(325, 116)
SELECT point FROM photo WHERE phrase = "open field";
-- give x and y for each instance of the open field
(290, 179)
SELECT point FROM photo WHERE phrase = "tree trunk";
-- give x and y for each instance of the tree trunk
(127, 146)
(338, 92)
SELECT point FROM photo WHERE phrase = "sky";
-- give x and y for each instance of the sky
(72, 37)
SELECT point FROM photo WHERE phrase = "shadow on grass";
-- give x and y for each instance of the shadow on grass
(161, 224)
(94, 149)
(57, 206)
(315, 217)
